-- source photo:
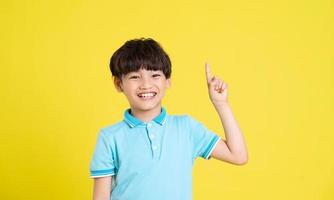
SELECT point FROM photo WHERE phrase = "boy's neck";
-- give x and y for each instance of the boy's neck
(146, 115)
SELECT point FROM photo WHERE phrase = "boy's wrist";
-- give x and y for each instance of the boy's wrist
(220, 104)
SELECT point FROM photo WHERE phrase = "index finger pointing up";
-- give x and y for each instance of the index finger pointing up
(207, 72)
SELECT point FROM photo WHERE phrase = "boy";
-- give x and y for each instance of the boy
(149, 155)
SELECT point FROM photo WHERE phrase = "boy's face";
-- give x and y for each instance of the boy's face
(144, 89)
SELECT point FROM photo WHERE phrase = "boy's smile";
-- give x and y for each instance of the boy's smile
(144, 90)
(147, 95)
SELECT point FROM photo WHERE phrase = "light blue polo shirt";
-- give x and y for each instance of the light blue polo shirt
(154, 160)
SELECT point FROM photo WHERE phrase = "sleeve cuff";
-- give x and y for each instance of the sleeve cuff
(212, 147)
(102, 173)
(99, 176)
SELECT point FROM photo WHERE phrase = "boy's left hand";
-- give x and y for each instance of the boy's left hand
(217, 88)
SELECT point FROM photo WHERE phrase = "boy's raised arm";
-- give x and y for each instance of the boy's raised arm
(234, 149)
(102, 188)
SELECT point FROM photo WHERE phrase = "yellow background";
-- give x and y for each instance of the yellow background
(277, 57)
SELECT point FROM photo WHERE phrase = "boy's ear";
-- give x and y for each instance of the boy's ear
(168, 82)
(118, 84)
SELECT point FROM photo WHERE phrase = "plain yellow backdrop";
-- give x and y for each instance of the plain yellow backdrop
(57, 91)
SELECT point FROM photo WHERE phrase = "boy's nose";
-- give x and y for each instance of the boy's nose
(145, 83)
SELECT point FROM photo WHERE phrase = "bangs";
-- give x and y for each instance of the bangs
(140, 59)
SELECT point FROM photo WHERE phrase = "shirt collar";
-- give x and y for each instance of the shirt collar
(133, 121)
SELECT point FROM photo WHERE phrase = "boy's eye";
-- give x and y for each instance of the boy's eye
(134, 77)
(156, 75)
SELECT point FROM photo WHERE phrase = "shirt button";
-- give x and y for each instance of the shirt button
(149, 125)
(152, 135)
(154, 147)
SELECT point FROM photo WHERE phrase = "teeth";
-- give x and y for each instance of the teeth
(145, 95)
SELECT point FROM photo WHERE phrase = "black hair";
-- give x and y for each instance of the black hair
(136, 54)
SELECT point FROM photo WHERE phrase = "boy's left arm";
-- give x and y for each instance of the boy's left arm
(233, 149)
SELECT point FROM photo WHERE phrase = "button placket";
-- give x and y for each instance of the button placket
(154, 144)
(152, 135)
(153, 140)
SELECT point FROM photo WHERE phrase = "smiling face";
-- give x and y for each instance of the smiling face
(144, 89)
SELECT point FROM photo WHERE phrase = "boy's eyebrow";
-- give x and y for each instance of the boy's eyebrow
(157, 71)
(132, 73)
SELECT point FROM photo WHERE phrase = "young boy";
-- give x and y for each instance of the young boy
(149, 154)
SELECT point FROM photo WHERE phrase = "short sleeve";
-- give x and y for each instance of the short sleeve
(102, 162)
(202, 139)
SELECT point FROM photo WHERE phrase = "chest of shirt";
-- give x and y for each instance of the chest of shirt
(145, 148)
